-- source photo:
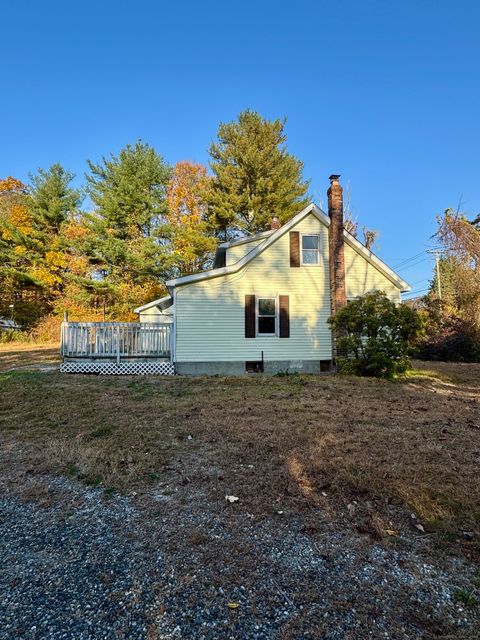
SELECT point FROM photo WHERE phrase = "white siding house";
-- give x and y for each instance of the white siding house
(264, 309)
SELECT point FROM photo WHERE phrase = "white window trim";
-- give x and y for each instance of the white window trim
(307, 264)
(257, 300)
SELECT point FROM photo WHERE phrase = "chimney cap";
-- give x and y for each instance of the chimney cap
(275, 223)
(334, 177)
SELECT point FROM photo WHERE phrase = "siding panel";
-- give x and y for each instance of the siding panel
(362, 277)
(211, 316)
(211, 313)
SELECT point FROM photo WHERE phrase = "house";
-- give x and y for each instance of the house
(265, 304)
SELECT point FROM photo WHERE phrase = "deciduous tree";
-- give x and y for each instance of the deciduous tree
(192, 243)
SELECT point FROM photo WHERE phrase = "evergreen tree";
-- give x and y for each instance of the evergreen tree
(51, 200)
(128, 191)
(255, 178)
(124, 243)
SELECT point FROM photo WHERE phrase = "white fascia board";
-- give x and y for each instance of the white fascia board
(154, 303)
(273, 237)
(244, 240)
(233, 268)
(376, 262)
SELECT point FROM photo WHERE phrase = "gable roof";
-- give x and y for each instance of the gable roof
(221, 252)
(273, 236)
(246, 239)
(163, 303)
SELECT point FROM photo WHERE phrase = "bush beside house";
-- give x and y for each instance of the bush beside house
(374, 336)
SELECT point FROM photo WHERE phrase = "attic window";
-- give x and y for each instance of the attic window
(267, 316)
(310, 250)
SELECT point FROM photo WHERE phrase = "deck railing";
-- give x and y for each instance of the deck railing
(116, 340)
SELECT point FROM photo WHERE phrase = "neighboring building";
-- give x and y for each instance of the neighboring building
(7, 324)
(266, 303)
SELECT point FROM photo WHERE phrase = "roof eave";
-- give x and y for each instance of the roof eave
(154, 303)
(270, 239)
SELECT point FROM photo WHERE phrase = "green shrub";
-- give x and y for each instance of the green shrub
(12, 335)
(374, 336)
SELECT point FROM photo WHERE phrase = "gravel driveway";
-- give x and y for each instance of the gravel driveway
(81, 566)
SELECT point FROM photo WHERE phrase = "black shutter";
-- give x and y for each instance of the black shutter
(284, 305)
(294, 249)
(250, 319)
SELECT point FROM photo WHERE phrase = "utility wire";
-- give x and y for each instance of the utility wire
(413, 264)
(412, 293)
(419, 281)
(408, 260)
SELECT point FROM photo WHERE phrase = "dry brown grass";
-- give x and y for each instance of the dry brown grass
(355, 448)
(21, 355)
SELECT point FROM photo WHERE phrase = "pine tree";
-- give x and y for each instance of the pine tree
(128, 191)
(255, 178)
(51, 201)
(124, 241)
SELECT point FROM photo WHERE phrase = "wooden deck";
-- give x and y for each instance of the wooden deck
(116, 341)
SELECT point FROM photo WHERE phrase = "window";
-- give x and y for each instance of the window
(310, 250)
(267, 316)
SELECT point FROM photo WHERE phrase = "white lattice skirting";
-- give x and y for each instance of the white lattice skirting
(122, 369)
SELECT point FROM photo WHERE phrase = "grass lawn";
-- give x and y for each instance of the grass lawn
(29, 356)
(389, 455)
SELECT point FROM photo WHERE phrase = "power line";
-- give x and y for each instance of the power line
(419, 281)
(414, 264)
(412, 293)
(408, 260)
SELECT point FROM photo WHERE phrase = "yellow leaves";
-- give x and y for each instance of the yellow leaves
(45, 277)
(74, 230)
(55, 260)
(77, 265)
(20, 218)
(11, 185)
(48, 272)
(186, 193)
(20, 250)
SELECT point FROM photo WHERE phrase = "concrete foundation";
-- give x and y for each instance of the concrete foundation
(238, 368)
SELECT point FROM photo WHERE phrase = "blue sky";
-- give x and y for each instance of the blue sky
(385, 93)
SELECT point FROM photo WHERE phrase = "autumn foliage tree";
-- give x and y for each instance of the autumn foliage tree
(460, 240)
(453, 321)
(15, 222)
(192, 243)
(33, 251)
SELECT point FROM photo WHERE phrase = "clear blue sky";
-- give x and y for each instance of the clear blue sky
(385, 93)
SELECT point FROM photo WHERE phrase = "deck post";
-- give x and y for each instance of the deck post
(118, 346)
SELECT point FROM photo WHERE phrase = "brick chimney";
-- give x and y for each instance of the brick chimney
(275, 224)
(338, 296)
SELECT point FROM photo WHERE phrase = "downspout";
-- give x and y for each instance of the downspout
(173, 349)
